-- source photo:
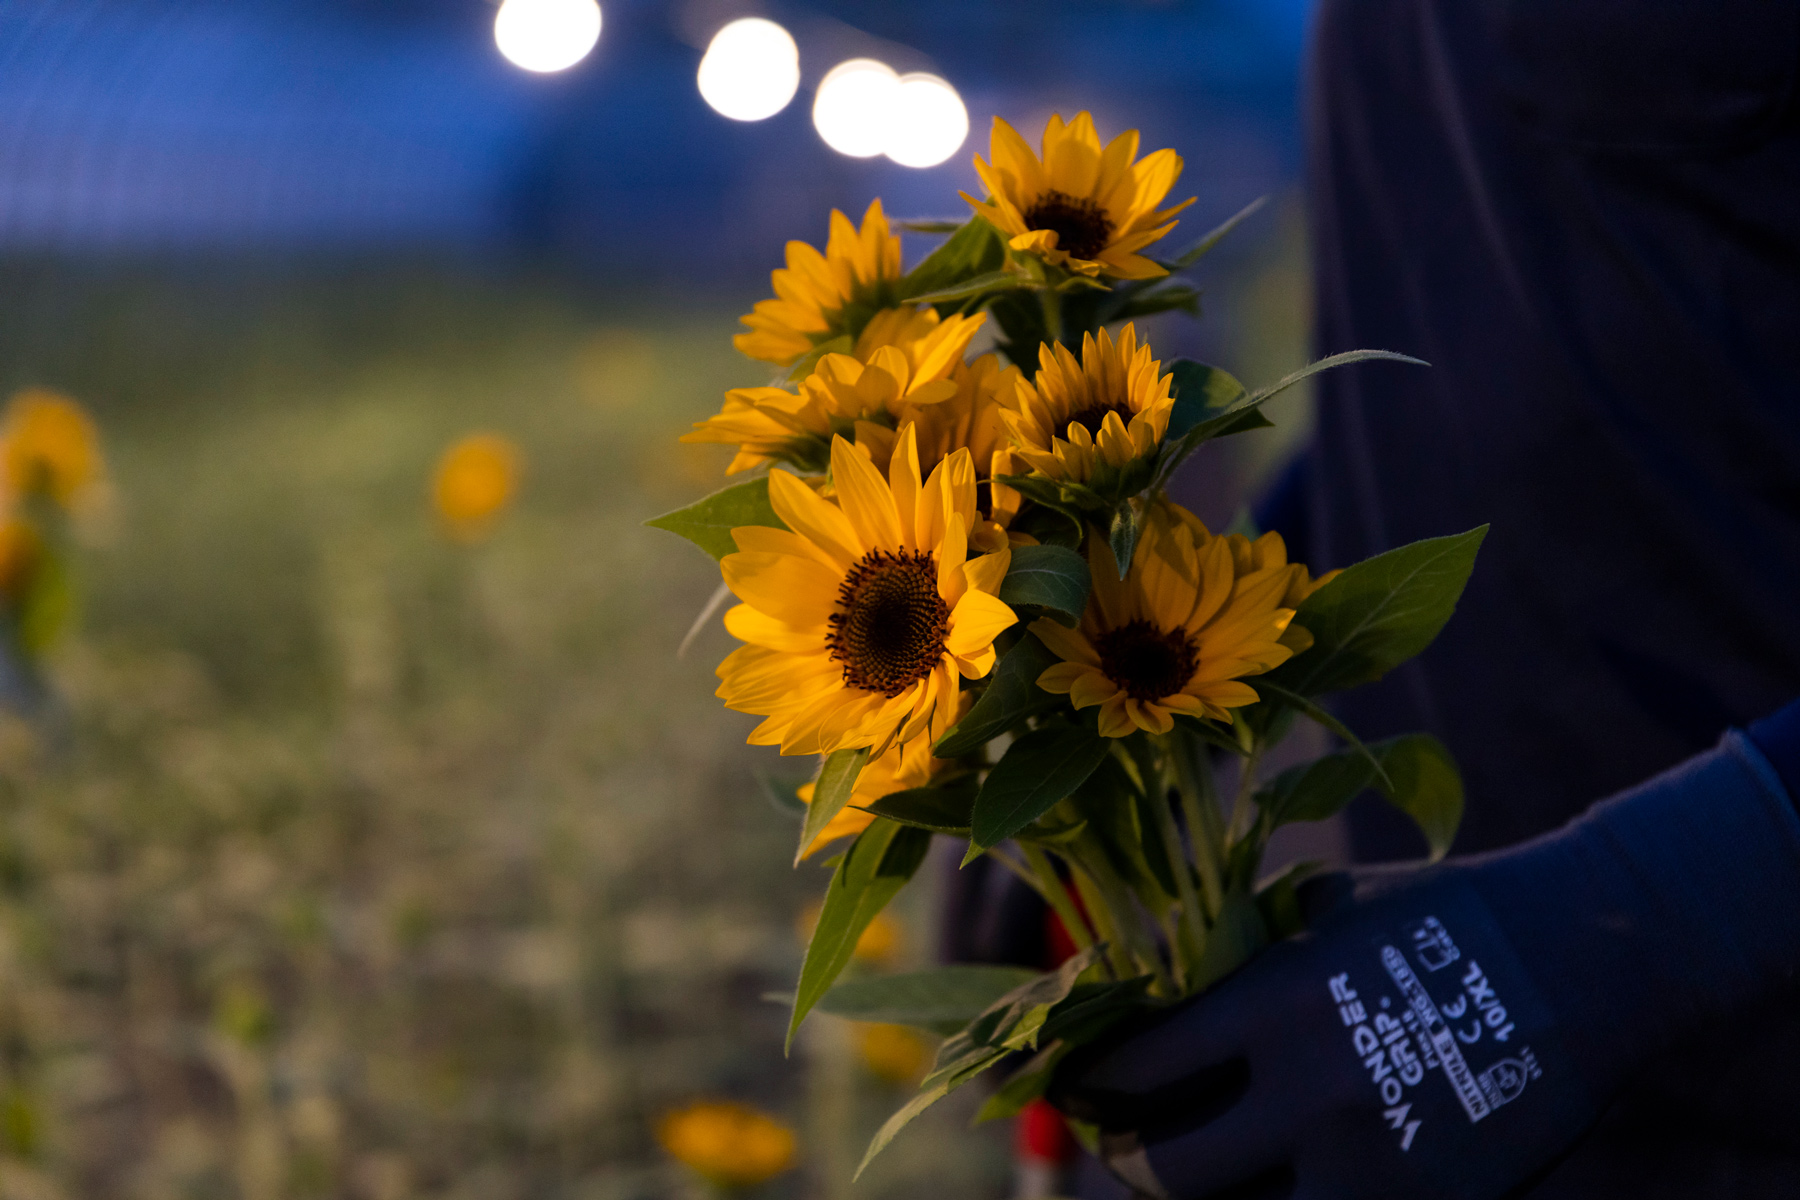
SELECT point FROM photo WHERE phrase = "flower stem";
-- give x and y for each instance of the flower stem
(1193, 922)
(1051, 300)
(1241, 804)
(1200, 809)
(1116, 914)
(1058, 897)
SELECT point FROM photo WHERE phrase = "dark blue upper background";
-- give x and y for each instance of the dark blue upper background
(180, 125)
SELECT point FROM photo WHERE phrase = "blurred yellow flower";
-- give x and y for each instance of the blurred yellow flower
(728, 1144)
(475, 479)
(20, 550)
(1104, 411)
(893, 1052)
(859, 267)
(1085, 208)
(903, 361)
(49, 446)
(1176, 635)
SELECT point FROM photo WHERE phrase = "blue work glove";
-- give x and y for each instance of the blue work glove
(1451, 1031)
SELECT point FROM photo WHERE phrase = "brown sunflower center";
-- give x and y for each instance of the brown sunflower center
(889, 632)
(1094, 416)
(1082, 227)
(1147, 662)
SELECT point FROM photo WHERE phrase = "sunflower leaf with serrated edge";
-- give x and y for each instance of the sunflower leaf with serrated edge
(1011, 696)
(1036, 773)
(708, 523)
(1049, 577)
(879, 863)
(832, 790)
(1377, 614)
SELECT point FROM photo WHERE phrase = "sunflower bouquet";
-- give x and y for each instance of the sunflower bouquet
(962, 585)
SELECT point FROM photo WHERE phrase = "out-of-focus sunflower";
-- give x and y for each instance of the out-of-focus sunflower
(1077, 418)
(1083, 207)
(904, 766)
(728, 1144)
(49, 446)
(816, 295)
(21, 550)
(904, 359)
(1177, 635)
(860, 616)
(474, 481)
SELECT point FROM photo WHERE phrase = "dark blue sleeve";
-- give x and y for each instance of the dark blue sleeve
(1778, 737)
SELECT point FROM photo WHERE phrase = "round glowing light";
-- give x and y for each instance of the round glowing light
(546, 35)
(751, 70)
(928, 123)
(855, 105)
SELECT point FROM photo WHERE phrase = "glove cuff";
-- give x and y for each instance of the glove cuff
(1669, 906)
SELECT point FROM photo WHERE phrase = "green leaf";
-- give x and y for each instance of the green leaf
(1012, 1022)
(1111, 805)
(1145, 302)
(1426, 787)
(1024, 1085)
(1275, 692)
(942, 999)
(1421, 780)
(938, 809)
(975, 249)
(1318, 790)
(882, 859)
(1278, 899)
(1198, 388)
(991, 281)
(831, 791)
(1012, 695)
(1233, 940)
(1379, 613)
(931, 224)
(1049, 577)
(1050, 526)
(1233, 419)
(1123, 537)
(708, 523)
(1199, 249)
(1036, 773)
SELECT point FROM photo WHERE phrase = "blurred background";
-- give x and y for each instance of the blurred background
(356, 845)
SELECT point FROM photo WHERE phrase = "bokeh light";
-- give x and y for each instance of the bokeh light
(854, 106)
(751, 70)
(928, 123)
(546, 35)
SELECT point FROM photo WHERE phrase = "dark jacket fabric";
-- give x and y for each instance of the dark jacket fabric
(1585, 214)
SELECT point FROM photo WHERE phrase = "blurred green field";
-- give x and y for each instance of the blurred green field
(348, 861)
(351, 862)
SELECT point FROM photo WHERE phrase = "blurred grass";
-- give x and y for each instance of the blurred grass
(354, 863)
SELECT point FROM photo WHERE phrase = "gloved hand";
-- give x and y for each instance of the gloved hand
(1450, 1031)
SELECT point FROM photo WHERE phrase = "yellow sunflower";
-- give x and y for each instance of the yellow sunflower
(1268, 552)
(860, 619)
(812, 293)
(1176, 635)
(909, 765)
(904, 359)
(1108, 409)
(1085, 208)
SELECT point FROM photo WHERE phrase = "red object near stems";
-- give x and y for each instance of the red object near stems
(1040, 1134)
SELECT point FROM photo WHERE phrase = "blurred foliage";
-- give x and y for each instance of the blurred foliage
(351, 861)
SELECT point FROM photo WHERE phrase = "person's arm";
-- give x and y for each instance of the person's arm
(1450, 1031)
